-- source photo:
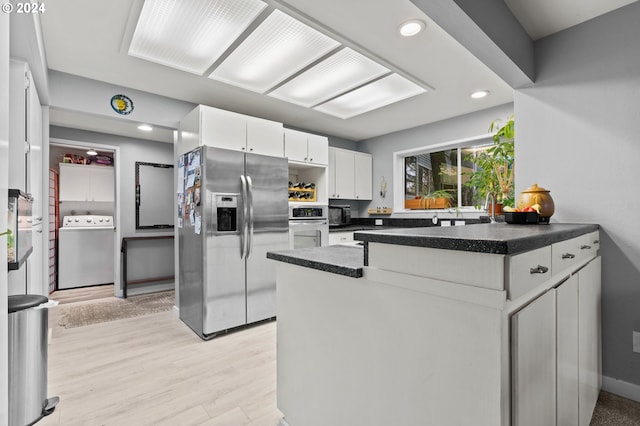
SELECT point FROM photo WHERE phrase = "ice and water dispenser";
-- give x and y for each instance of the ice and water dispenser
(226, 213)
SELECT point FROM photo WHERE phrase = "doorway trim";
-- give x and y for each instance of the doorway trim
(116, 212)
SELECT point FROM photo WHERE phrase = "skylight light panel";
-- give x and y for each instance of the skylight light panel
(191, 35)
(377, 94)
(339, 73)
(277, 49)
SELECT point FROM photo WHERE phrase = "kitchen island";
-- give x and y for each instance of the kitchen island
(490, 324)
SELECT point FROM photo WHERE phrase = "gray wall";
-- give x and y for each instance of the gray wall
(383, 147)
(140, 263)
(578, 135)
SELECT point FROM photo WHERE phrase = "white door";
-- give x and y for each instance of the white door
(533, 334)
(345, 174)
(363, 176)
(589, 340)
(102, 183)
(295, 145)
(317, 149)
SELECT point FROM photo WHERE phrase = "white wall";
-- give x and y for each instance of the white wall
(132, 150)
(70, 92)
(578, 134)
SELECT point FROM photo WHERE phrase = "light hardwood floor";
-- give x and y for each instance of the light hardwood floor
(153, 370)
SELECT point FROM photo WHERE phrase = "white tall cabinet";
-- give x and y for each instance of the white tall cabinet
(26, 171)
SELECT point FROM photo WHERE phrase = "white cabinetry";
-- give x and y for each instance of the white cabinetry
(570, 342)
(306, 147)
(340, 237)
(229, 130)
(350, 175)
(363, 166)
(531, 345)
(86, 183)
(533, 360)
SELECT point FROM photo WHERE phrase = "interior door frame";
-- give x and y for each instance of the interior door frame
(116, 207)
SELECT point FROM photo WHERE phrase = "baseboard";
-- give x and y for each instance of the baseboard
(621, 388)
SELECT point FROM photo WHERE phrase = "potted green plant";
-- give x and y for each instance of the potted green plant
(440, 199)
(494, 172)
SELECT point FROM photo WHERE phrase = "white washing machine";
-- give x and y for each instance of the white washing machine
(85, 251)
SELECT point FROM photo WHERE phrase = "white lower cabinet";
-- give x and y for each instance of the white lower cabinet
(533, 363)
(555, 353)
(340, 237)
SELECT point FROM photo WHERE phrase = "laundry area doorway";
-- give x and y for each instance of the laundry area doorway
(84, 216)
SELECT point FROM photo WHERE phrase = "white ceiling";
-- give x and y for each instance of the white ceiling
(90, 39)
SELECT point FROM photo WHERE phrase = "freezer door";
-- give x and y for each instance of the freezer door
(268, 230)
(224, 283)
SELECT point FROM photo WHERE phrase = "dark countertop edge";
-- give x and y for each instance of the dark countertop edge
(321, 266)
(509, 246)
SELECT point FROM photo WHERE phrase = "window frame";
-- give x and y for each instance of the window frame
(399, 171)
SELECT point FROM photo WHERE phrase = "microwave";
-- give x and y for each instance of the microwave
(339, 215)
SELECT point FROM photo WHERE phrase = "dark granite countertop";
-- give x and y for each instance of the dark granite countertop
(499, 238)
(337, 259)
(353, 228)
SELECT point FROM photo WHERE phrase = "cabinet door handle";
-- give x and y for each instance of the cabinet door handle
(585, 247)
(539, 270)
(596, 241)
(568, 256)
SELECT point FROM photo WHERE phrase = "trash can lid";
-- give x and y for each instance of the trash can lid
(20, 302)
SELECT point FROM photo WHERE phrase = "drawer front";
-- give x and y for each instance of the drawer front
(528, 270)
(566, 254)
(591, 244)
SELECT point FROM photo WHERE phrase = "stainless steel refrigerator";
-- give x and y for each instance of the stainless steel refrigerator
(232, 209)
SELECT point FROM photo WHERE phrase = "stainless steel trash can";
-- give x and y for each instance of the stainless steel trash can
(28, 327)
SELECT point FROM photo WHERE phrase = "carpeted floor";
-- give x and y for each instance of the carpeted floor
(78, 315)
(614, 410)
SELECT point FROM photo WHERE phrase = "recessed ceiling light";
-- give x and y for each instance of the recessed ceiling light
(145, 128)
(92, 152)
(479, 94)
(411, 27)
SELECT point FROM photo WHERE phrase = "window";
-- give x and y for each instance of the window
(440, 171)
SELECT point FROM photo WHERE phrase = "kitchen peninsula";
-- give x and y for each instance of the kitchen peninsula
(490, 324)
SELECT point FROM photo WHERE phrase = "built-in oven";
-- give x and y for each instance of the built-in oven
(308, 226)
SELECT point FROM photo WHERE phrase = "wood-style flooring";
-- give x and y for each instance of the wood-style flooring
(82, 294)
(153, 370)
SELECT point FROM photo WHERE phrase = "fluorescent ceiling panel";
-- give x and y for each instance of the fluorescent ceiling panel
(191, 35)
(339, 73)
(385, 91)
(277, 49)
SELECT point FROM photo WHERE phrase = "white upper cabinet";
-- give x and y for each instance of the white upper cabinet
(86, 183)
(229, 130)
(350, 175)
(306, 147)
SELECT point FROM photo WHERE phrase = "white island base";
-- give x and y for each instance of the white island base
(360, 352)
(392, 348)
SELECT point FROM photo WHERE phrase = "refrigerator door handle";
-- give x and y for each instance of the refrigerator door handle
(245, 226)
(250, 233)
